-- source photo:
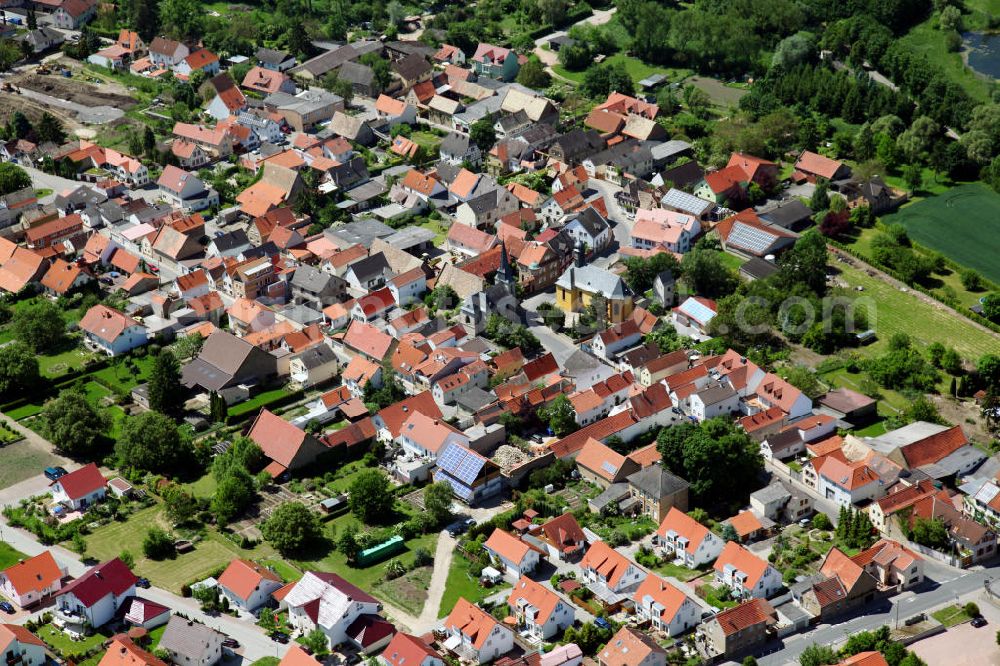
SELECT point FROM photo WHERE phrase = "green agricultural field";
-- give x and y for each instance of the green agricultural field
(9, 556)
(23, 460)
(962, 224)
(896, 311)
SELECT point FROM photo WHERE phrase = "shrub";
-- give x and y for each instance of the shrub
(821, 521)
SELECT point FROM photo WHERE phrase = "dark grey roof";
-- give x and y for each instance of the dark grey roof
(311, 279)
(592, 221)
(758, 268)
(475, 399)
(367, 191)
(361, 232)
(716, 394)
(231, 240)
(191, 639)
(657, 481)
(683, 175)
(514, 121)
(539, 134)
(484, 202)
(579, 361)
(622, 154)
(455, 144)
(317, 356)
(356, 73)
(578, 143)
(670, 149)
(641, 355)
(334, 58)
(775, 491)
(412, 67)
(409, 237)
(271, 56)
(410, 47)
(787, 214)
(370, 267)
(302, 314)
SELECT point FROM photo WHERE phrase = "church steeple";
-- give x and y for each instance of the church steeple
(506, 274)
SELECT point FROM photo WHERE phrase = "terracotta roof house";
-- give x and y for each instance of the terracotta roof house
(757, 170)
(892, 564)
(604, 568)
(408, 650)
(475, 635)
(629, 647)
(538, 610)
(692, 544)
(844, 585)
(97, 595)
(745, 574)
(515, 556)
(268, 81)
(111, 331)
(737, 630)
(248, 585)
(123, 652)
(17, 641)
(666, 607)
(286, 446)
(865, 659)
(562, 537)
(603, 466)
(80, 488)
(228, 100)
(31, 580)
(811, 166)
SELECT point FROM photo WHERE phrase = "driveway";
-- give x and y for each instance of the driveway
(549, 58)
(428, 618)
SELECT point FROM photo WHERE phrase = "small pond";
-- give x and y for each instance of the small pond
(983, 52)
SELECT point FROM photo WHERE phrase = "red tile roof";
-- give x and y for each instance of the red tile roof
(746, 615)
(80, 483)
(123, 652)
(406, 650)
(34, 574)
(934, 448)
(743, 560)
(111, 577)
(395, 415)
(813, 163)
(243, 577)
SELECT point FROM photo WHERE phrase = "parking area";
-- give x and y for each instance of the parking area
(964, 645)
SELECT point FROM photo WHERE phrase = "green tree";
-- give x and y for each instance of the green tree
(144, 18)
(236, 491)
(370, 497)
(127, 558)
(181, 19)
(292, 528)
(151, 442)
(73, 424)
(931, 533)
(559, 416)
(39, 325)
(818, 655)
(437, 501)
(971, 279)
(50, 128)
(78, 544)
(705, 273)
(157, 545)
(483, 134)
(165, 392)
(18, 370)
(820, 199)
(533, 75)
(988, 369)
(347, 542)
(804, 379)
(13, 177)
(913, 176)
(317, 642)
(180, 505)
(991, 306)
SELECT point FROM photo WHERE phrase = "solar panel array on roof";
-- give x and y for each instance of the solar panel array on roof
(608, 467)
(697, 310)
(683, 201)
(987, 493)
(461, 463)
(750, 238)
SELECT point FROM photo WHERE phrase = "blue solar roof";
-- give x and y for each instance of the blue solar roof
(461, 463)
(697, 310)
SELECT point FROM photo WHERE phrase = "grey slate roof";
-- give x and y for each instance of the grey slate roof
(772, 493)
(370, 267)
(361, 232)
(657, 481)
(231, 240)
(356, 73)
(594, 279)
(271, 56)
(317, 356)
(786, 214)
(311, 279)
(455, 144)
(758, 268)
(592, 221)
(190, 639)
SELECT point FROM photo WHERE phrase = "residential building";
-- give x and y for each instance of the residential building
(580, 285)
(656, 491)
(629, 647)
(516, 557)
(191, 643)
(538, 610)
(80, 489)
(562, 537)
(692, 544)
(111, 331)
(29, 581)
(123, 652)
(495, 62)
(745, 574)
(96, 596)
(285, 445)
(408, 650)
(667, 608)
(327, 602)
(475, 635)
(739, 629)
(604, 567)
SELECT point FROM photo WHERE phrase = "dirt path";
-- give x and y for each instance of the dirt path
(435, 590)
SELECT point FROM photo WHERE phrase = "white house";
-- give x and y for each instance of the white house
(20, 646)
(408, 287)
(247, 584)
(773, 391)
(712, 401)
(111, 331)
(184, 190)
(603, 565)
(313, 366)
(327, 602)
(80, 488)
(31, 580)
(590, 228)
(424, 435)
(607, 344)
(191, 643)
(166, 53)
(95, 596)
(517, 557)
(846, 483)
(539, 610)
(692, 544)
(667, 608)
(475, 635)
(746, 575)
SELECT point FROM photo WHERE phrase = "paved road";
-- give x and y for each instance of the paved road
(946, 586)
(560, 345)
(47, 181)
(549, 58)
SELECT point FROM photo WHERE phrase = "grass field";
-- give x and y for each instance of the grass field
(258, 401)
(963, 224)
(21, 461)
(461, 584)
(209, 554)
(9, 556)
(62, 644)
(636, 68)
(952, 615)
(895, 311)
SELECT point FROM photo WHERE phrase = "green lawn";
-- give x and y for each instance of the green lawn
(212, 552)
(22, 460)
(891, 402)
(928, 39)
(56, 639)
(460, 584)
(963, 224)
(713, 595)
(8, 435)
(429, 141)
(731, 261)
(258, 401)
(679, 572)
(440, 229)
(266, 661)
(952, 615)
(893, 311)
(366, 577)
(203, 487)
(344, 476)
(286, 571)
(9, 556)
(56, 365)
(635, 67)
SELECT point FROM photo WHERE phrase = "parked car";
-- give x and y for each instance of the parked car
(6, 607)
(231, 643)
(143, 583)
(979, 621)
(602, 623)
(53, 473)
(280, 637)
